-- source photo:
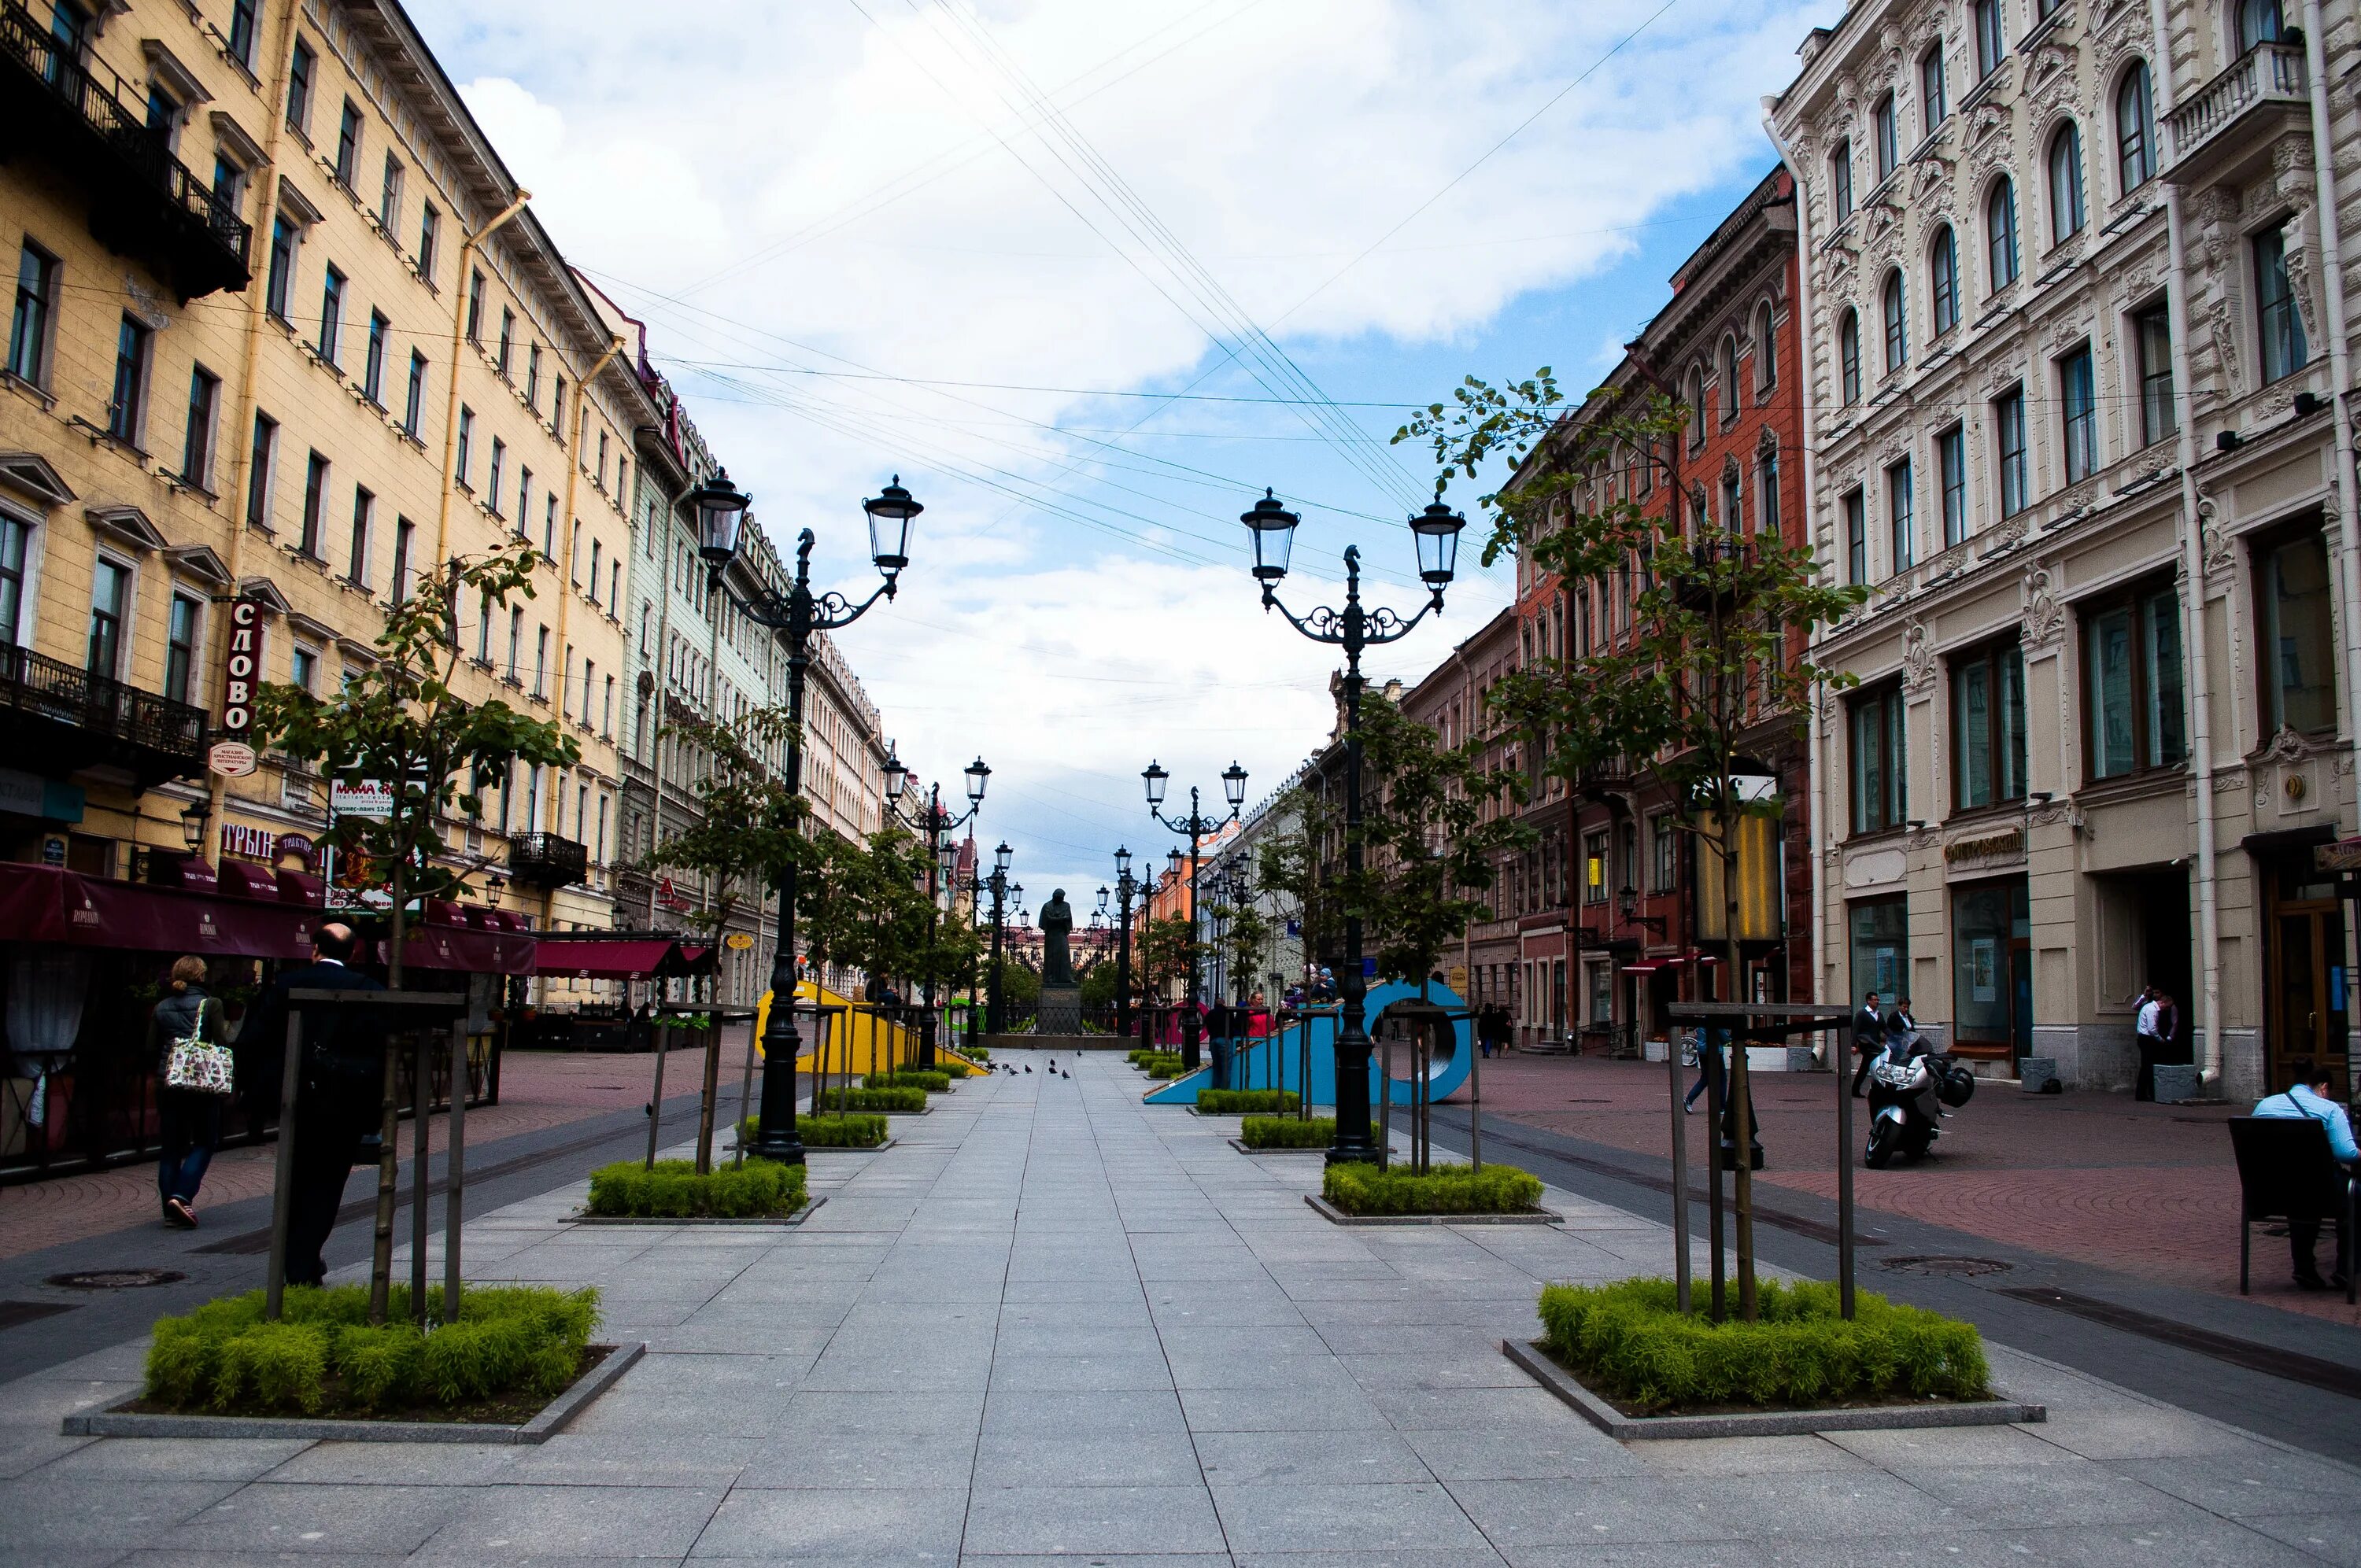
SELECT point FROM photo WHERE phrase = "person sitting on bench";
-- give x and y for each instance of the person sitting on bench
(2308, 1096)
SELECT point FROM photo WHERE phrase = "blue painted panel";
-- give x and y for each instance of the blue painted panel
(1277, 1063)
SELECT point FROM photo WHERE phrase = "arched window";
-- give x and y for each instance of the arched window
(2000, 234)
(1848, 355)
(1729, 379)
(2259, 22)
(1697, 407)
(1943, 280)
(2135, 128)
(1766, 348)
(2066, 210)
(1840, 180)
(1897, 328)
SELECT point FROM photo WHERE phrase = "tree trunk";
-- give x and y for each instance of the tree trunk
(390, 1110)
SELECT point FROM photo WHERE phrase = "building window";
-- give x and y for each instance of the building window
(348, 145)
(197, 441)
(28, 327)
(404, 535)
(13, 537)
(1594, 869)
(2284, 349)
(2259, 23)
(2065, 212)
(331, 317)
(2134, 129)
(303, 667)
(1848, 355)
(1988, 726)
(259, 461)
(1880, 787)
(281, 283)
(524, 498)
(2079, 403)
(315, 492)
(467, 441)
(1951, 470)
(430, 230)
(1840, 180)
(242, 31)
(475, 309)
(508, 338)
(389, 196)
(1766, 349)
(1886, 125)
(1766, 504)
(2000, 235)
(2008, 424)
(2299, 653)
(1934, 99)
(180, 648)
(541, 662)
(1901, 521)
(516, 642)
(299, 88)
(1992, 46)
(2131, 682)
(132, 342)
(364, 510)
(110, 601)
(373, 364)
(229, 182)
(1943, 280)
(1728, 380)
(532, 378)
(1856, 515)
(1897, 324)
(493, 479)
(2152, 331)
(614, 585)
(548, 525)
(594, 571)
(1734, 515)
(1663, 857)
(1697, 422)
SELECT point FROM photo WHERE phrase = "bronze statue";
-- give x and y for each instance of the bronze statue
(1056, 923)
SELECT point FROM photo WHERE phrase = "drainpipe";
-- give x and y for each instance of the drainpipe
(468, 249)
(2340, 365)
(1803, 310)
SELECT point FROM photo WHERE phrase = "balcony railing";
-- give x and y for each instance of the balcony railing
(2268, 79)
(142, 199)
(547, 860)
(67, 718)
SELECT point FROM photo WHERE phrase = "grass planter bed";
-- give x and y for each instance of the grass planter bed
(671, 1190)
(929, 1082)
(1631, 1362)
(515, 1367)
(856, 1130)
(1245, 1102)
(1285, 1135)
(1455, 1194)
(896, 1101)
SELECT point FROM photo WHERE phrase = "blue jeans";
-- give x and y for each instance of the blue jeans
(191, 1126)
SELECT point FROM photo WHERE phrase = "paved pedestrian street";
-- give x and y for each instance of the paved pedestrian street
(1052, 1325)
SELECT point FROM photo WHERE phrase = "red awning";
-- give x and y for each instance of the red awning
(628, 958)
(459, 949)
(697, 961)
(1650, 967)
(241, 879)
(30, 910)
(102, 913)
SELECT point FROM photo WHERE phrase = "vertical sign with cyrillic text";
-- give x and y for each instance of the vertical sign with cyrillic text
(233, 755)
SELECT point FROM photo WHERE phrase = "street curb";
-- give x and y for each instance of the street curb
(646, 1221)
(1335, 1216)
(1769, 1423)
(1240, 1144)
(553, 1416)
(810, 1149)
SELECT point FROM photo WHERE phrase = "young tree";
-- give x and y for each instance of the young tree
(1717, 651)
(398, 720)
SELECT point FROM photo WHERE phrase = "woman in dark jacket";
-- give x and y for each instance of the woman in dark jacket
(191, 1120)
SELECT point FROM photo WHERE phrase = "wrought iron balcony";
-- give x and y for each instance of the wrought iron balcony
(547, 860)
(143, 200)
(2238, 114)
(66, 718)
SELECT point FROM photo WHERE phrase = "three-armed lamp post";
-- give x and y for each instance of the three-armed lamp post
(1198, 826)
(938, 824)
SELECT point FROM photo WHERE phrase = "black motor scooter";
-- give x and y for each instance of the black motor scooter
(1909, 1088)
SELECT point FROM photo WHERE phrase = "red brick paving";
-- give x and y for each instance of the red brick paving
(2149, 1190)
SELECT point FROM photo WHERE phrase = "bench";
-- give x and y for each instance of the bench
(2286, 1174)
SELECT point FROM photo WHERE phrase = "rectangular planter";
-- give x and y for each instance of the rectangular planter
(1335, 1216)
(1765, 1423)
(798, 1218)
(2178, 1085)
(120, 1422)
(1240, 1144)
(2034, 1074)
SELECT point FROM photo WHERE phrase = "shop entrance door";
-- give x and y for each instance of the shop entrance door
(2305, 1007)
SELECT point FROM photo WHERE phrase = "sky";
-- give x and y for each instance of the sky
(1088, 278)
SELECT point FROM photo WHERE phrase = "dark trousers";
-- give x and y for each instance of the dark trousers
(2144, 1086)
(192, 1128)
(327, 1148)
(1868, 1055)
(1708, 1072)
(2303, 1241)
(1221, 1062)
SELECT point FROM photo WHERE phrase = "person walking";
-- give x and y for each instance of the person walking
(1900, 1020)
(1710, 1070)
(2145, 1026)
(1868, 1039)
(339, 1092)
(2307, 1095)
(190, 1118)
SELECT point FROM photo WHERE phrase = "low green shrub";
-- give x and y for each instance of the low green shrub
(1631, 1342)
(671, 1190)
(853, 1132)
(1448, 1190)
(1287, 1132)
(951, 1068)
(976, 1053)
(909, 1077)
(904, 1099)
(1241, 1101)
(325, 1357)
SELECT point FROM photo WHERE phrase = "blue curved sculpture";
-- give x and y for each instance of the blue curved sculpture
(1278, 1062)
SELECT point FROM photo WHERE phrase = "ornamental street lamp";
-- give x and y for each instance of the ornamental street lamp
(796, 614)
(936, 825)
(1124, 889)
(1435, 531)
(994, 1022)
(1198, 826)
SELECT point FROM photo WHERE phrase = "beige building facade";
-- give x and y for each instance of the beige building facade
(2077, 414)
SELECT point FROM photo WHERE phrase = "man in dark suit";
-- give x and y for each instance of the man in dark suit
(1868, 1038)
(340, 1091)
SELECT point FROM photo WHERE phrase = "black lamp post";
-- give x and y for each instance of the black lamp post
(795, 615)
(1353, 627)
(938, 825)
(1123, 888)
(993, 1020)
(1197, 825)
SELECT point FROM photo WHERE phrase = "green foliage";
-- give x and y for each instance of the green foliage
(325, 1357)
(671, 1188)
(1287, 1132)
(951, 1067)
(932, 1082)
(1163, 1067)
(1097, 985)
(1447, 1189)
(1631, 1342)
(1162, 950)
(899, 1101)
(854, 1132)
(1239, 1102)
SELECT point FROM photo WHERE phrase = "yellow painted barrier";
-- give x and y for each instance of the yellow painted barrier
(874, 1043)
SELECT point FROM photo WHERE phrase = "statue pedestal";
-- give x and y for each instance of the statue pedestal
(1060, 1011)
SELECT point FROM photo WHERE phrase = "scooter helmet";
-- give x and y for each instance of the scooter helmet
(1959, 1087)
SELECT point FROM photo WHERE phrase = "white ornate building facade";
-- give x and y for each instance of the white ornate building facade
(2077, 414)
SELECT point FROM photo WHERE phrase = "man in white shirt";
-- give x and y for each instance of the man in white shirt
(2151, 1044)
(2308, 1096)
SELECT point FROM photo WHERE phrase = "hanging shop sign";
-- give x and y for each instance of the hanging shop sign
(371, 799)
(738, 941)
(233, 755)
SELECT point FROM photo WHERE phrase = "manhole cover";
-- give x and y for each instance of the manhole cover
(117, 1279)
(1952, 1267)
